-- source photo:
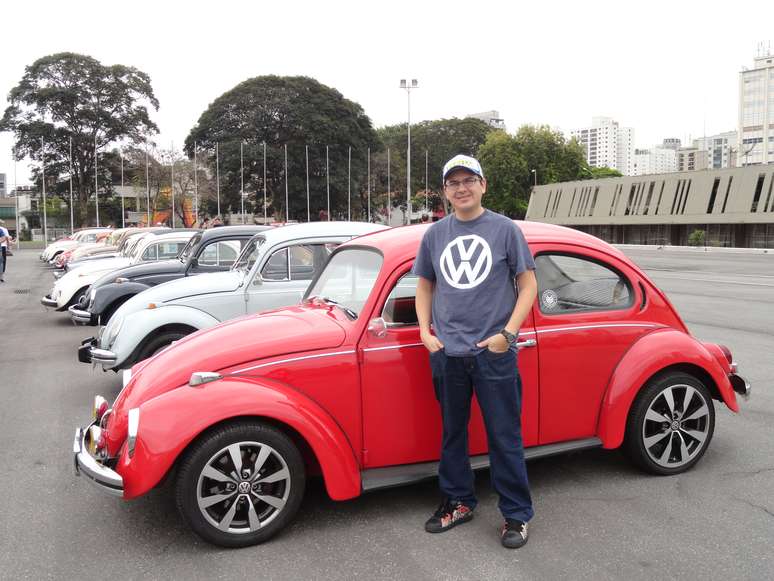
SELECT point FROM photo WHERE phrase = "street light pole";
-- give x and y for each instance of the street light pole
(43, 189)
(96, 182)
(123, 211)
(404, 84)
(172, 182)
(72, 226)
(217, 178)
(534, 172)
(242, 177)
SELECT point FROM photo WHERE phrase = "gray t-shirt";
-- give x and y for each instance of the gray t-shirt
(473, 265)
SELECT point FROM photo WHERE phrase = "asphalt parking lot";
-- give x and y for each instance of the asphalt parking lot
(596, 517)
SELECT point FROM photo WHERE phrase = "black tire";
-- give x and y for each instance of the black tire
(254, 440)
(666, 447)
(76, 298)
(158, 342)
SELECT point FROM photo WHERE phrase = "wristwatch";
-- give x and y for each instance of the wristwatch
(510, 337)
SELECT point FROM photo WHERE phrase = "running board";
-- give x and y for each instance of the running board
(376, 478)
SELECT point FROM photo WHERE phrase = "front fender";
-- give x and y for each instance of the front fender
(107, 294)
(141, 324)
(171, 421)
(652, 353)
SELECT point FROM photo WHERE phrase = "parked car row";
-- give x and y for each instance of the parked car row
(258, 357)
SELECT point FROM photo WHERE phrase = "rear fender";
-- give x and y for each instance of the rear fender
(141, 325)
(653, 353)
(110, 293)
(170, 422)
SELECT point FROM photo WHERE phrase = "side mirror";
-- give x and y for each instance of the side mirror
(258, 279)
(377, 327)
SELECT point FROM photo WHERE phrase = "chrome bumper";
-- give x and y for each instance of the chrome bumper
(79, 315)
(102, 477)
(47, 301)
(740, 385)
(104, 357)
(59, 274)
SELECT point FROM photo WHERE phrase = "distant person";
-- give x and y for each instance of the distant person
(5, 244)
(424, 219)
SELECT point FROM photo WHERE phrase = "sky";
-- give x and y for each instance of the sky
(667, 69)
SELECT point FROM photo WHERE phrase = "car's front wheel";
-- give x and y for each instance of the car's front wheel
(240, 484)
(670, 424)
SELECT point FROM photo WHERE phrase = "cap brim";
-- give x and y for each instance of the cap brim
(467, 169)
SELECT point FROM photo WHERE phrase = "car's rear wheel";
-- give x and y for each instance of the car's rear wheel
(670, 424)
(240, 484)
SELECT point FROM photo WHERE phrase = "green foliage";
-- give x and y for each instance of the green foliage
(509, 160)
(601, 172)
(293, 112)
(696, 238)
(68, 95)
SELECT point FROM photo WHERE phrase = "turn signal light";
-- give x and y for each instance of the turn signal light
(99, 408)
(96, 440)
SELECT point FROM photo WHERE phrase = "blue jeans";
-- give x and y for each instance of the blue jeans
(495, 379)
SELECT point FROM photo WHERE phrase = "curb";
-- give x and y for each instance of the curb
(697, 249)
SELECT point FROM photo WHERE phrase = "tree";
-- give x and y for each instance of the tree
(442, 139)
(508, 163)
(595, 173)
(296, 112)
(72, 96)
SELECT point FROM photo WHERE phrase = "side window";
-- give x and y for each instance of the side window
(306, 260)
(399, 308)
(277, 266)
(167, 250)
(222, 253)
(573, 283)
(150, 253)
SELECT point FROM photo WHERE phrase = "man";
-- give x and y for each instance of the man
(467, 263)
(5, 244)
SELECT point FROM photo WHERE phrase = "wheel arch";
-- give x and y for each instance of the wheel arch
(655, 354)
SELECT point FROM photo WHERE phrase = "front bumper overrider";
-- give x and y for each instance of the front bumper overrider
(80, 316)
(104, 478)
(88, 352)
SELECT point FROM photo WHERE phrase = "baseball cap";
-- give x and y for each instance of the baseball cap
(463, 162)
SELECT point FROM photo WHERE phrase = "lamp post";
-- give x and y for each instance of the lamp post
(534, 172)
(404, 84)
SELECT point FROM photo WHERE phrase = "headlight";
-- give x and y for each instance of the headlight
(114, 330)
(99, 408)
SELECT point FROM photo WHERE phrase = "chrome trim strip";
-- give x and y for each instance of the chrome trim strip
(291, 360)
(394, 347)
(601, 326)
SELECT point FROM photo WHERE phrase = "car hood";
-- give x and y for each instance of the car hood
(212, 282)
(106, 264)
(135, 271)
(241, 341)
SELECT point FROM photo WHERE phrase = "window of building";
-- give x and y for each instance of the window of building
(660, 194)
(713, 194)
(572, 201)
(685, 197)
(678, 193)
(725, 199)
(758, 190)
(766, 207)
(649, 198)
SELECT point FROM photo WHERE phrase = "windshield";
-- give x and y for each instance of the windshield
(134, 246)
(187, 251)
(348, 278)
(249, 255)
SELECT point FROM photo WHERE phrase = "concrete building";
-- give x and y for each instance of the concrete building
(3, 190)
(720, 148)
(734, 207)
(756, 112)
(672, 143)
(656, 160)
(691, 159)
(607, 144)
(492, 118)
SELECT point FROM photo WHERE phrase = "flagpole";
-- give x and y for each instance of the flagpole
(389, 206)
(96, 182)
(43, 189)
(16, 191)
(242, 177)
(264, 183)
(147, 186)
(328, 181)
(196, 188)
(349, 184)
(172, 180)
(426, 164)
(217, 176)
(308, 212)
(369, 184)
(287, 203)
(123, 211)
(72, 222)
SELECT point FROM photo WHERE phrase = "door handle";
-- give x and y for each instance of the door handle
(527, 343)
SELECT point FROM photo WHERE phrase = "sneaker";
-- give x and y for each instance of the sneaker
(514, 534)
(448, 515)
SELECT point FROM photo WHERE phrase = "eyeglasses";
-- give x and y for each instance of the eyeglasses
(467, 182)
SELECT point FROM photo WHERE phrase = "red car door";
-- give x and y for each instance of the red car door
(401, 418)
(585, 322)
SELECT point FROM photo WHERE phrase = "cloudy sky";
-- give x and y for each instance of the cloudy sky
(664, 68)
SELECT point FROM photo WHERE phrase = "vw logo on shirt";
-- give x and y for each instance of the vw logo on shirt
(466, 261)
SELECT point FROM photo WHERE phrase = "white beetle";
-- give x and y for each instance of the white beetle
(68, 289)
(273, 270)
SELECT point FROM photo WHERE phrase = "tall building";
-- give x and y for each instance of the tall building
(655, 160)
(607, 144)
(492, 118)
(691, 159)
(3, 191)
(720, 148)
(672, 143)
(756, 112)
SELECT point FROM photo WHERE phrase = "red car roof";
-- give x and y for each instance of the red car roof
(402, 242)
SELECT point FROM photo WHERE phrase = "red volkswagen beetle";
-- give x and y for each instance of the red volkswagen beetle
(340, 385)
